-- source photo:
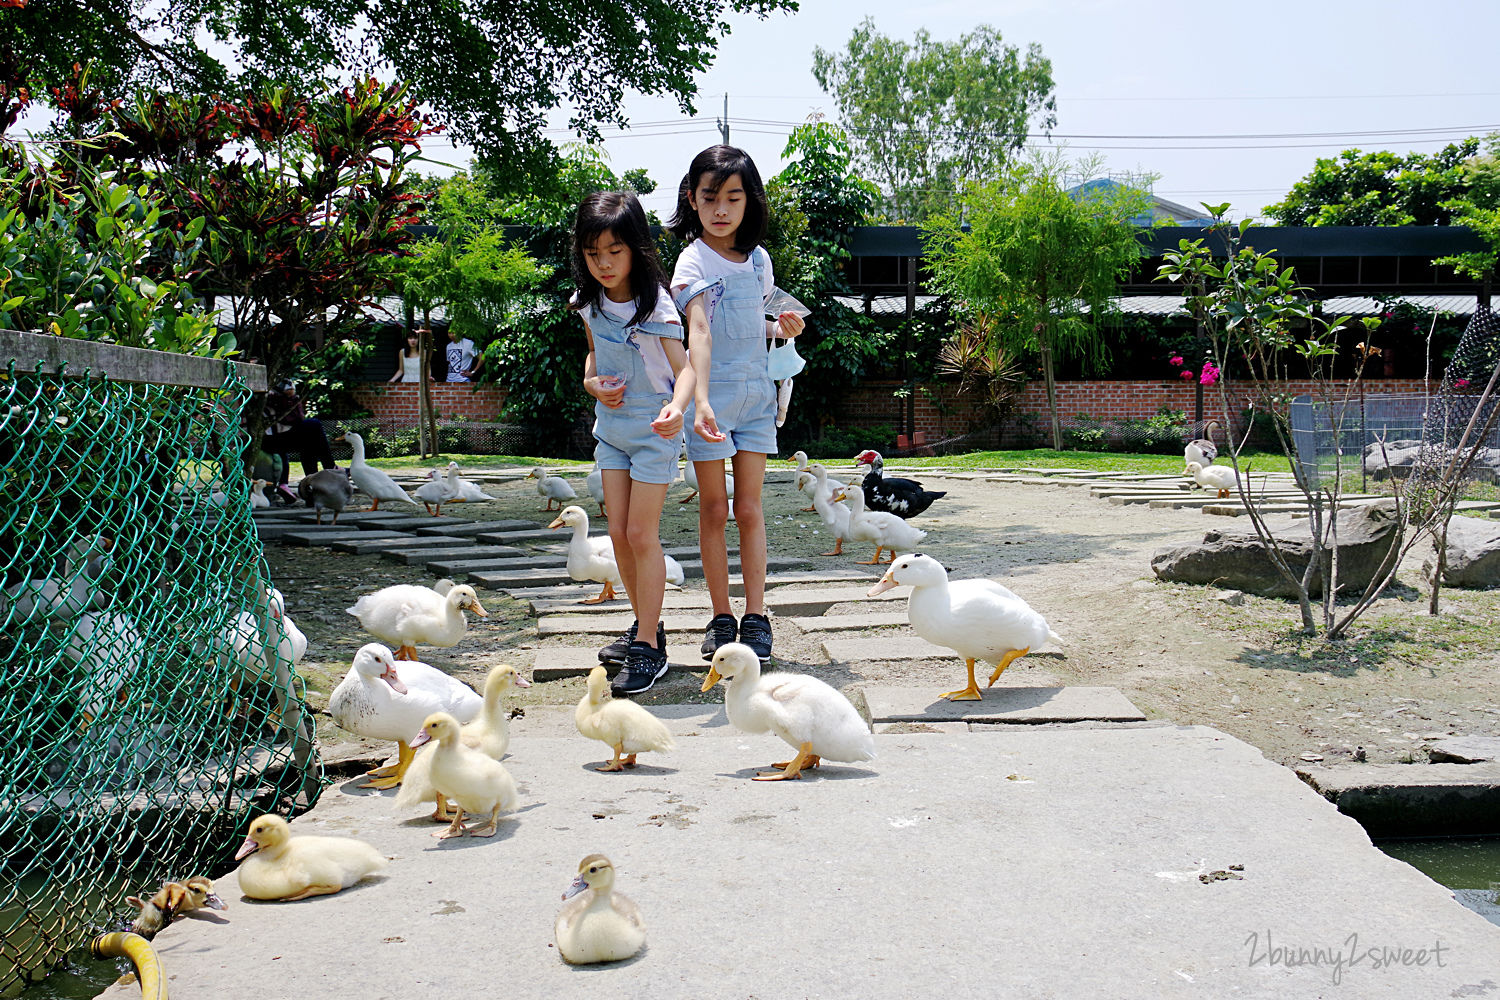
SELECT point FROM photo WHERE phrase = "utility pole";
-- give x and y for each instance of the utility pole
(724, 122)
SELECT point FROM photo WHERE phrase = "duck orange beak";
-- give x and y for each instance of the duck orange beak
(887, 582)
(390, 677)
(248, 848)
(477, 608)
(556, 523)
(713, 678)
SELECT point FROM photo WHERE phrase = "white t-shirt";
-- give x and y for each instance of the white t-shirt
(701, 262)
(653, 354)
(461, 356)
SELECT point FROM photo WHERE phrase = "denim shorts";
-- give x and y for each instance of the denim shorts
(745, 410)
(623, 439)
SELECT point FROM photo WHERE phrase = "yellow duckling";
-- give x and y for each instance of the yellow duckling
(172, 901)
(808, 714)
(280, 866)
(489, 734)
(624, 726)
(476, 783)
(598, 924)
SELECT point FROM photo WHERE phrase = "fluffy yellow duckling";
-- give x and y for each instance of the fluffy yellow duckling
(808, 714)
(598, 924)
(624, 726)
(476, 783)
(277, 865)
(489, 734)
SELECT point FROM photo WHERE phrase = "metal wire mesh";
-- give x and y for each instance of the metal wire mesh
(1460, 434)
(148, 698)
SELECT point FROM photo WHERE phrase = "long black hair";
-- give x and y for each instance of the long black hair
(721, 163)
(620, 213)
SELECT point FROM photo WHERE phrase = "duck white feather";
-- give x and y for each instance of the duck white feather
(690, 474)
(977, 619)
(276, 865)
(107, 650)
(1215, 477)
(834, 486)
(475, 782)
(621, 725)
(551, 488)
(806, 713)
(884, 529)
(597, 924)
(76, 588)
(596, 489)
(435, 492)
(463, 490)
(489, 734)
(835, 514)
(591, 558)
(374, 483)
(386, 699)
(406, 614)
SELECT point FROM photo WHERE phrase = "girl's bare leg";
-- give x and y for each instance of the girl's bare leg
(749, 478)
(713, 516)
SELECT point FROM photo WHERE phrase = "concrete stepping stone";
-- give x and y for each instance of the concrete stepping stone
(329, 535)
(672, 600)
(371, 542)
(495, 557)
(535, 535)
(403, 522)
(895, 649)
(736, 584)
(848, 623)
(1023, 705)
(419, 556)
(444, 526)
(788, 603)
(691, 568)
(553, 663)
(273, 531)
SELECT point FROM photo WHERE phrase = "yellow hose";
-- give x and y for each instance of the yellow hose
(123, 944)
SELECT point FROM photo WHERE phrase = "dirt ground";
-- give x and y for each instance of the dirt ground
(1179, 653)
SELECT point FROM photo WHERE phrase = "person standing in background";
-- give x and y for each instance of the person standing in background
(409, 360)
(463, 358)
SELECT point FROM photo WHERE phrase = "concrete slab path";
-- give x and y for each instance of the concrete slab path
(1118, 862)
(1001, 704)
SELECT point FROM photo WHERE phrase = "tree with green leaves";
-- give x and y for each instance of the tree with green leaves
(1477, 207)
(928, 118)
(492, 69)
(1378, 189)
(1038, 262)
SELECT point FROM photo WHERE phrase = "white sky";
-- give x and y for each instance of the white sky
(1131, 69)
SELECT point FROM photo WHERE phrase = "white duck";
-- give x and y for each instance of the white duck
(277, 605)
(107, 650)
(1214, 477)
(884, 529)
(834, 486)
(805, 712)
(76, 589)
(406, 614)
(250, 634)
(1201, 450)
(380, 700)
(434, 493)
(622, 725)
(375, 483)
(489, 734)
(834, 513)
(277, 865)
(591, 559)
(475, 782)
(596, 489)
(597, 924)
(462, 489)
(258, 496)
(977, 619)
(551, 488)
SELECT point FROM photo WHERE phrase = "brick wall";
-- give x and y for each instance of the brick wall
(394, 404)
(871, 404)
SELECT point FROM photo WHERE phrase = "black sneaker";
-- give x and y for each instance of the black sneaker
(615, 652)
(755, 632)
(721, 631)
(644, 666)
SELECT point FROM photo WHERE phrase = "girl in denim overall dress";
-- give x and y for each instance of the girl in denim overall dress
(721, 283)
(636, 369)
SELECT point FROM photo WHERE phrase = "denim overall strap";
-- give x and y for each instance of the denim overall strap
(617, 351)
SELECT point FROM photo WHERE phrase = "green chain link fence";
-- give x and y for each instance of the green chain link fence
(147, 702)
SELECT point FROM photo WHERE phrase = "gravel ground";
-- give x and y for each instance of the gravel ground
(1177, 652)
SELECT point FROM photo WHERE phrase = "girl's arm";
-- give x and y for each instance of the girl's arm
(668, 422)
(700, 341)
(786, 326)
(400, 367)
(612, 398)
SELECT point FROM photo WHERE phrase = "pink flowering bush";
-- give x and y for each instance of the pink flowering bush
(1210, 373)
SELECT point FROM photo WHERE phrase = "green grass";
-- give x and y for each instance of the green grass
(473, 463)
(1046, 458)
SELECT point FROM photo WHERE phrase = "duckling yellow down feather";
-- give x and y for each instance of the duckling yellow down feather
(277, 865)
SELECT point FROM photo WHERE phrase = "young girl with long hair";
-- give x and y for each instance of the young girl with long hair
(721, 283)
(637, 370)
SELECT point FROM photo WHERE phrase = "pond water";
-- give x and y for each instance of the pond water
(1470, 866)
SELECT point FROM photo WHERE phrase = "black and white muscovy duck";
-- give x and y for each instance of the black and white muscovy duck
(902, 497)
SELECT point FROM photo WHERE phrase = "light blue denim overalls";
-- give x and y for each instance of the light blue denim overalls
(624, 438)
(739, 389)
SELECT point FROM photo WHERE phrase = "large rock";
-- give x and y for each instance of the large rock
(1397, 458)
(1473, 558)
(1237, 560)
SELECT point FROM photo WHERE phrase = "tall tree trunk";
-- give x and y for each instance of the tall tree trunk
(1046, 344)
(426, 437)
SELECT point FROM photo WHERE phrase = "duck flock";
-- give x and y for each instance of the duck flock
(450, 740)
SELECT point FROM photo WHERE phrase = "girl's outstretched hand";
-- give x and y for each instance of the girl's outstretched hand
(668, 422)
(705, 424)
(612, 397)
(789, 324)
